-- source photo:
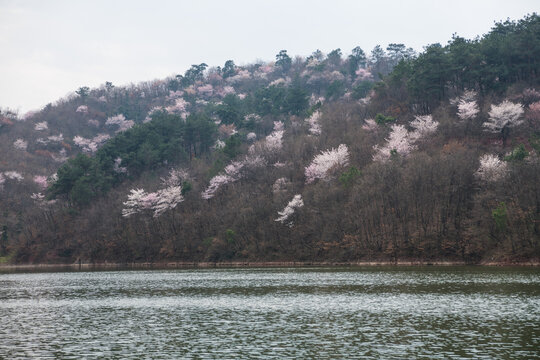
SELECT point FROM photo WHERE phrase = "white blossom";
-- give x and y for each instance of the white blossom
(40, 126)
(324, 164)
(121, 122)
(491, 168)
(20, 144)
(14, 175)
(313, 121)
(82, 109)
(506, 114)
(291, 207)
(398, 141)
(423, 126)
(467, 110)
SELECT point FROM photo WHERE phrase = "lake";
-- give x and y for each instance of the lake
(273, 313)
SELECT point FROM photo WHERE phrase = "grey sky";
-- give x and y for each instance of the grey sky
(50, 48)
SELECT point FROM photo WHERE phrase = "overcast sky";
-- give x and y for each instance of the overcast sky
(50, 48)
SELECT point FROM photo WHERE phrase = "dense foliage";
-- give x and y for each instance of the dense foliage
(387, 156)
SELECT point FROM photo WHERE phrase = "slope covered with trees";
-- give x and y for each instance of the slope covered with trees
(390, 156)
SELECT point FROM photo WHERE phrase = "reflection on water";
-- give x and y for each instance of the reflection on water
(383, 312)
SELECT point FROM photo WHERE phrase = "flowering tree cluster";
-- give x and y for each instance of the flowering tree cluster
(467, 110)
(502, 117)
(370, 125)
(398, 142)
(61, 156)
(206, 90)
(326, 163)
(121, 122)
(280, 185)
(13, 175)
(491, 168)
(159, 201)
(313, 121)
(271, 144)
(401, 141)
(117, 168)
(82, 109)
(179, 107)
(289, 210)
(232, 172)
(41, 201)
(423, 126)
(240, 76)
(2, 181)
(40, 126)
(533, 113)
(41, 181)
(20, 144)
(91, 145)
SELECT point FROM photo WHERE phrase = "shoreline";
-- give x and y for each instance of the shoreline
(245, 264)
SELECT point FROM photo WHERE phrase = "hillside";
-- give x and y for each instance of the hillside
(390, 156)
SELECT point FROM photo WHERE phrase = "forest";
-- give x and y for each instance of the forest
(390, 155)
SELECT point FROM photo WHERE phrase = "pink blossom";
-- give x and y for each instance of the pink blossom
(289, 210)
(241, 75)
(206, 90)
(41, 181)
(2, 181)
(251, 136)
(226, 131)
(215, 183)
(370, 125)
(242, 96)
(179, 107)
(363, 74)
(325, 164)
(279, 126)
(534, 111)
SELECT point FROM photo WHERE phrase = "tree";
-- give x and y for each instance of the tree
(502, 117)
(83, 91)
(283, 61)
(229, 69)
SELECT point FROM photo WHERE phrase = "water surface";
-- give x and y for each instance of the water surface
(323, 313)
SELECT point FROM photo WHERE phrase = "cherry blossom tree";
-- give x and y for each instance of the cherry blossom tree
(2, 181)
(40, 126)
(467, 110)
(325, 164)
(117, 168)
(280, 185)
(20, 144)
(502, 117)
(251, 136)
(61, 156)
(121, 122)
(290, 209)
(533, 113)
(313, 121)
(398, 142)
(370, 125)
(82, 109)
(491, 168)
(423, 126)
(14, 175)
(41, 181)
